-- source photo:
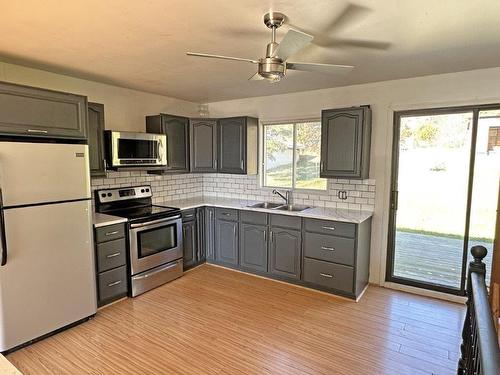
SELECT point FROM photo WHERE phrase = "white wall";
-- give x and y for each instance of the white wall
(124, 109)
(472, 87)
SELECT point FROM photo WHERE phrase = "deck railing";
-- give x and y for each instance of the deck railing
(480, 351)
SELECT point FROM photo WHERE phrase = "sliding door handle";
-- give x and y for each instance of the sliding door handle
(3, 235)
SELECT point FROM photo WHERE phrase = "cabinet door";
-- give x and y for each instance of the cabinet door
(345, 142)
(190, 243)
(284, 253)
(253, 247)
(201, 228)
(30, 111)
(210, 233)
(177, 130)
(203, 135)
(226, 242)
(96, 142)
(232, 145)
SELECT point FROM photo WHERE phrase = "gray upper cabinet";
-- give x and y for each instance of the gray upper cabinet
(29, 111)
(203, 136)
(176, 128)
(237, 145)
(345, 142)
(253, 247)
(226, 242)
(284, 253)
(97, 160)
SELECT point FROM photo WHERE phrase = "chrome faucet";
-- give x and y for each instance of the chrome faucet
(287, 197)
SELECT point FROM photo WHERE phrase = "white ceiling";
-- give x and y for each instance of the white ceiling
(142, 44)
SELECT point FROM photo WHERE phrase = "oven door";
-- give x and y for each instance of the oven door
(155, 243)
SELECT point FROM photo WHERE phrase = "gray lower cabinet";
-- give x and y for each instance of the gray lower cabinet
(284, 252)
(209, 234)
(97, 160)
(36, 112)
(176, 128)
(336, 255)
(203, 140)
(345, 142)
(253, 247)
(190, 243)
(226, 236)
(111, 265)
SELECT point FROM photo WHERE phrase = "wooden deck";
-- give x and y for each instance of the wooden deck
(218, 321)
(433, 259)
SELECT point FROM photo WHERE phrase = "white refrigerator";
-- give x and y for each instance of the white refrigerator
(47, 272)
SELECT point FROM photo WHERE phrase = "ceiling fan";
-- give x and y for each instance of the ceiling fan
(274, 66)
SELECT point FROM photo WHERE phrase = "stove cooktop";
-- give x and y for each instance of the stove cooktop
(146, 212)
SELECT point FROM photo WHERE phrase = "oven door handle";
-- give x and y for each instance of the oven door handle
(164, 220)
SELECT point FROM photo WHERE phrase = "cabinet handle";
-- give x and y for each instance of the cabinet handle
(328, 276)
(327, 248)
(241, 164)
(272, 236)
(265, 235)
(37, 131)
(105, 165)
(114, 283)
(329, 228)
(111, 233)
(321, 166)
(112, 255)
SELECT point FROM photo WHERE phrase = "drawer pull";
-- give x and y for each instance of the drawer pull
(188, 216)
(326, 275)
(111, 233)
(37, 131)
(329, 228)
(226, 214)
(114, 283)
(327, 248)
(112, 255)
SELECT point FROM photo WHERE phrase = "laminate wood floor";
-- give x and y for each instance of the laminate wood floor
(218, 321)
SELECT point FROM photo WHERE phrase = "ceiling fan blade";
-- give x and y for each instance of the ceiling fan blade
(256, 77)
(319, 68)
(349, 15)
(221, 57)
(292, 42)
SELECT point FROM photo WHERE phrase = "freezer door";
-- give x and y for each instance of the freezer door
(43, 172)
(49, 279)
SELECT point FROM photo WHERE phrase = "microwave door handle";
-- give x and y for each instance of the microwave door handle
(3, 232)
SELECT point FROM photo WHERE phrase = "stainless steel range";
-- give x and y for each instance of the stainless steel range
(155, 235)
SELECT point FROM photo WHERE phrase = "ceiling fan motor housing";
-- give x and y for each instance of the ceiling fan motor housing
(271, 68)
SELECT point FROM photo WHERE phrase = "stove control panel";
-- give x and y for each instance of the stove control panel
(120, 194)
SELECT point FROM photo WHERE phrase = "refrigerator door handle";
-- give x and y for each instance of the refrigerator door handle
(2, 232)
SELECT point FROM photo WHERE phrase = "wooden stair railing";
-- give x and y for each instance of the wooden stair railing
(479, 349)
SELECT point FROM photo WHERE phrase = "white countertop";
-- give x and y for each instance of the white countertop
(325, 213)
(102, 220)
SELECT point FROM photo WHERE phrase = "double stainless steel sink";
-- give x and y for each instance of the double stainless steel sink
(279, 206)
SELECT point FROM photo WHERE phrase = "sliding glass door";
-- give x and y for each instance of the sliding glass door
(446, 170)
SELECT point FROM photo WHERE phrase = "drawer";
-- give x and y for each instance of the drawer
(329, 248)
(329, 275)
(251, 217)
(112, 283)
(335, 228)
(226, 214)
(286, 221)
(109, 233)
(188, 215)
(111, 254)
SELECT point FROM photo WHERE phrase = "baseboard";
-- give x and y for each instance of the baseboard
(425, 292)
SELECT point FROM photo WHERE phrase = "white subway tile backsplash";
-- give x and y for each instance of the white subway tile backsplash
(360, 193)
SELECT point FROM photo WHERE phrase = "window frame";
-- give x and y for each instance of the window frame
(294, 123)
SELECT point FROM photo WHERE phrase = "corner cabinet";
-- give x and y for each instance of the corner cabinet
(237, 145)
(35, 112)
(97, 160)
(345, 142)
(176, 128)
(203, 140)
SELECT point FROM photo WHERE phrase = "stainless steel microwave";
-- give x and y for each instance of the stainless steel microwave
(129, 149)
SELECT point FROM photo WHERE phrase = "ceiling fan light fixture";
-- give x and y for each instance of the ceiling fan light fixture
(271, 68)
